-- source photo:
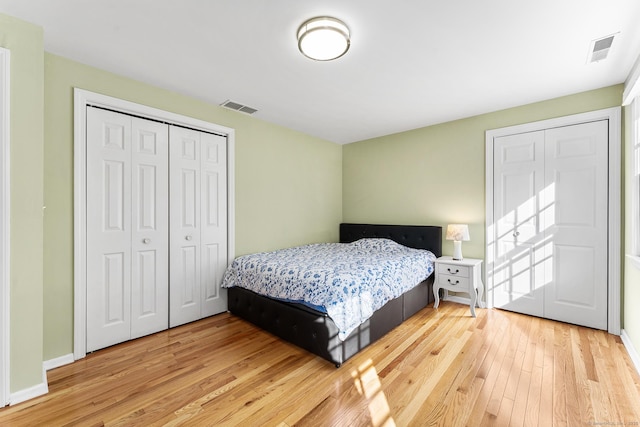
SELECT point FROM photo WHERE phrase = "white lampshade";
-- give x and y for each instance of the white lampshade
(323, 38)
(457, 233)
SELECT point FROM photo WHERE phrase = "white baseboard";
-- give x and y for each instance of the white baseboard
(633, 353)
(58, 361)
(43, 387)
(31, 392)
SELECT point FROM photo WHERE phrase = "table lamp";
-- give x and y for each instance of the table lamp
(457, 233)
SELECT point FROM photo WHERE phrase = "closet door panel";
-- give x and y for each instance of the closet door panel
(188, 288)
(150, 239)
(108, 228)
(214, 223)
(519, 256)
(210, 260)
(577, 166)
(185, 252)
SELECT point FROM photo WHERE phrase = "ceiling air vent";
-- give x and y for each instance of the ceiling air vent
(599, 48)
(238, 107)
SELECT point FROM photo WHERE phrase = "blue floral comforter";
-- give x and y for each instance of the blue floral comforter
(348, 281)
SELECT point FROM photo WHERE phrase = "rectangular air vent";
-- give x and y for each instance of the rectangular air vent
(238, 107)
(599, 48)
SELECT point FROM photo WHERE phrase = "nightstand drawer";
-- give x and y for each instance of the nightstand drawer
(451, 282)
(454, 270)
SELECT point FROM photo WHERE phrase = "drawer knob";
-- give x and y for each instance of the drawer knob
(453, 272)
(451, 283)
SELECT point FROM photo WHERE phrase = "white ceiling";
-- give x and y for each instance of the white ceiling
(412, 63)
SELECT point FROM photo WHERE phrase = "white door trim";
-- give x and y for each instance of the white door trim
(83, 98)
(614, 248)
(5, 204)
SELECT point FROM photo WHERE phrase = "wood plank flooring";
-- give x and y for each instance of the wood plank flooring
(441, 367)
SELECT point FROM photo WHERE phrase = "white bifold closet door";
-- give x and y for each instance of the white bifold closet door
(127, 227)
(551, 223)
(198, 189)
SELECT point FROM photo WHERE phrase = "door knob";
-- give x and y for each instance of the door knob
(188, 237)
(146, 241)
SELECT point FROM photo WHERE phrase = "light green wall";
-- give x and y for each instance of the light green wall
(631, 292)
(288, 185)
(436, 175)
(25, 41)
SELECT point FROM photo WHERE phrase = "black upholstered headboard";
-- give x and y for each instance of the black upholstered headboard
(414, 236)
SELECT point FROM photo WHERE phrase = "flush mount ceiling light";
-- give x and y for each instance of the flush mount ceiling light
(323, 38)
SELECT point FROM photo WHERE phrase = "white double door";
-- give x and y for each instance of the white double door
(156, 226)
(550, 211)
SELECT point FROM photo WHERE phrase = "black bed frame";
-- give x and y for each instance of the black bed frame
(315, 331)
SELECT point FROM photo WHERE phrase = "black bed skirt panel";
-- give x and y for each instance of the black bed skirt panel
(315, 331)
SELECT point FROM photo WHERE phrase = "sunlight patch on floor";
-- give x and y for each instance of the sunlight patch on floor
(368, 384)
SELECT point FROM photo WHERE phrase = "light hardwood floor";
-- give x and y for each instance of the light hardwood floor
(441, 367)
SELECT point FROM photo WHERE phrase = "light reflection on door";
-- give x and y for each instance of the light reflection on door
(524, 252)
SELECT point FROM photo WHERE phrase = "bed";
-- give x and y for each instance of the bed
(313, 329)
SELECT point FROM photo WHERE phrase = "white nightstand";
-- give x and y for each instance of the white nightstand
(459, 276)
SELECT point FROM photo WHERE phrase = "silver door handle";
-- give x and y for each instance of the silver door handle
(146, 241)
(188, 237)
